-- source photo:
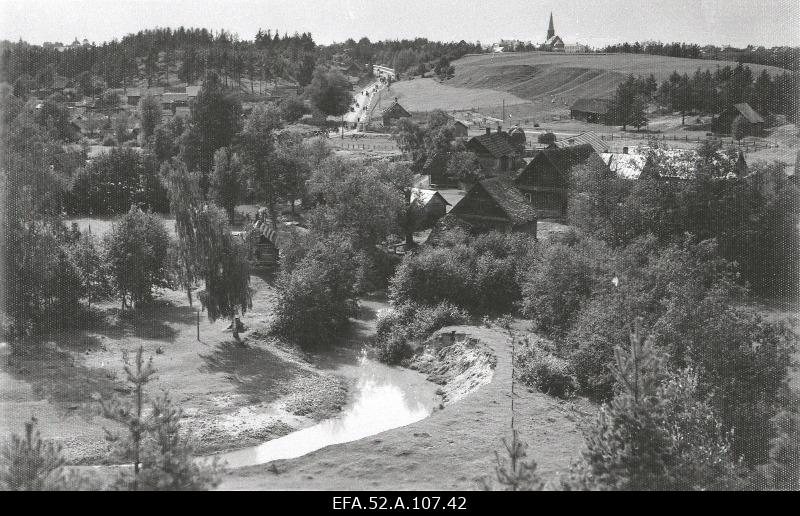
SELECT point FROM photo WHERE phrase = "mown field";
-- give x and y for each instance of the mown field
(531, 75)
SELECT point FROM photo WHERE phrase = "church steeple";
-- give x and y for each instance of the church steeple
(551, 31)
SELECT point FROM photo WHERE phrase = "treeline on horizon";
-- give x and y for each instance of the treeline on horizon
(785, 57)
(270, 55)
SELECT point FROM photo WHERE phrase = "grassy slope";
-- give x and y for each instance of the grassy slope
(232, 396)
(535, 74)
(451, 449)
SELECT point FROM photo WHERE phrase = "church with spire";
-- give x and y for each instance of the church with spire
(553, 43)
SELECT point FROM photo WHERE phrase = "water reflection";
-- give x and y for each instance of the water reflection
(383, 398)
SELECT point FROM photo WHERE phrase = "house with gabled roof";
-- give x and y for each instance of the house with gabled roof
(496, 153)
(546, 180)
(753, 122)
(393, 113)
(496, 204)
(429, 205)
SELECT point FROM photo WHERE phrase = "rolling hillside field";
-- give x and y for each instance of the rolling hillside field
(531, 75)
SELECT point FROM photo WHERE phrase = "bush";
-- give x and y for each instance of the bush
(393, 350)
(398, 329)
(292, 109)
(136, 253)
(317, 297)
(477, 274)
(109, 141)
(669, 440)
(562, 278)
(546, 138)
(545, 371)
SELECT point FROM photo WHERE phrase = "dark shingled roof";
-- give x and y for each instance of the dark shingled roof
(749, 113)
(496, 144)
(507, 197)
(565, 159)
(447, 223)
(396, 111)
(597, 106)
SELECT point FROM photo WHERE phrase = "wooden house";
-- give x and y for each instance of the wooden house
(429, 205)
(591, 110)
(546, 180)
(393, 113)
(496, 153)
(496, 204)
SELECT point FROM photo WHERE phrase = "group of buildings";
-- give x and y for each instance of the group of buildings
(520, 190)
(552, 43)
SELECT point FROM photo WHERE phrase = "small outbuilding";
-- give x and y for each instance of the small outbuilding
(429, 205)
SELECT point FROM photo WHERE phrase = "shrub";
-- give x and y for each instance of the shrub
(668, 441)
(477, 274)
(561, 279)
(393, 350)
(317, 297)
(398, 329)
(109, 141)
(545, 371)
(136, 253)
(546, 138)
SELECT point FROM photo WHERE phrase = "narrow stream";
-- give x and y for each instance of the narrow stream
(382, 398)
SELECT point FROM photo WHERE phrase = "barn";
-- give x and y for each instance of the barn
(597, 111)
(496, 204)
(754, 124)
(546, 180)
(495, 151)
(394, 113)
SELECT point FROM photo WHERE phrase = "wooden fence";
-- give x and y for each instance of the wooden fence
(746, 145)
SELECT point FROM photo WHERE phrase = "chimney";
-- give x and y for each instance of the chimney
(624, 150)
(395, 100)
(488, 130)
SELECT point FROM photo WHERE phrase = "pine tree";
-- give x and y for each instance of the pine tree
(30, 463)
(162, 458)
(130, 412)
(516, 473)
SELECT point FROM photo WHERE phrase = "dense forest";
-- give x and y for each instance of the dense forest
(193, 52)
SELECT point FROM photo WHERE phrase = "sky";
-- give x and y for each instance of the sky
(593, 22)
